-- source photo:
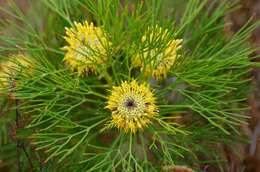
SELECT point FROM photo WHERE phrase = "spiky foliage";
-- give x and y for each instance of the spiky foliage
(64, 116)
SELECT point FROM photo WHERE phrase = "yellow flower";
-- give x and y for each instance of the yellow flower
(157, 61)
(13, 66)
(132, 105)
(86, 49)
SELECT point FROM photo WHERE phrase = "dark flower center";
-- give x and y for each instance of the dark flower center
(130, 103)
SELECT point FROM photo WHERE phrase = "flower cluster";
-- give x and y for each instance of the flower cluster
(132, 105)
(86, 49)
(157, 61)
(12, 67)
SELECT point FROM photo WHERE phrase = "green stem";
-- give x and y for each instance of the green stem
(107, 77)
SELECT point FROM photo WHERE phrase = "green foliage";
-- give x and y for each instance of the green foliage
(201, 101)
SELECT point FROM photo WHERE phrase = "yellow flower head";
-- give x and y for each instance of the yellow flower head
(132, 106)
(86, 49)
(157, 61)
(13, 66)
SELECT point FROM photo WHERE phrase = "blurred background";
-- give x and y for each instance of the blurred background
(248, 158)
